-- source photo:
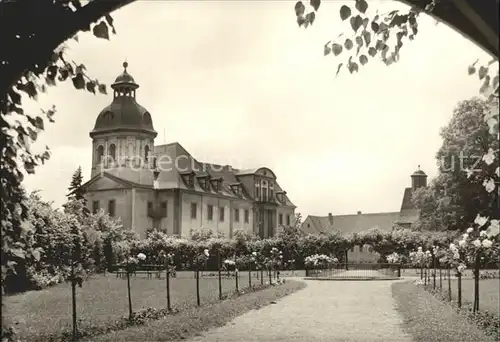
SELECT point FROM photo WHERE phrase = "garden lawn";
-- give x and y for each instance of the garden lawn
(489, 296)
(428, 319)
(193, 321)
(103, 299)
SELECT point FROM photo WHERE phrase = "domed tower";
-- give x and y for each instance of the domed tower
(418, 179)
(123, 135)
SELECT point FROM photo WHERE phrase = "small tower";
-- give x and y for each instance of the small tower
(418, 179)
(123, 135)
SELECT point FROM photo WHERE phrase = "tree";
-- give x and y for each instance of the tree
(76, 191)
(454, 198)
(35, 32)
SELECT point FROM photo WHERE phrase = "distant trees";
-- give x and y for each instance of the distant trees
(456, 196)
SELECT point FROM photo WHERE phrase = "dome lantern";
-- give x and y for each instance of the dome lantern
(124, 84)
(418, 179)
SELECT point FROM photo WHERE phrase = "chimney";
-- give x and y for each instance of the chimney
(330, 219)
(359, 212)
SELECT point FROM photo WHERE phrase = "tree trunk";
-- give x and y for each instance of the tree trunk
(459, 293)
(449, 284)
(198, 287)
(129, 294)
(237, 278)
(169, 308)
(250, 275)
(220, 277)
(434, 273)
(477, 265)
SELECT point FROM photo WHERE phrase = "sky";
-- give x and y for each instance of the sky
(238, 82)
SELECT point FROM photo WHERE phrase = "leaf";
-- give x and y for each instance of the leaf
(15, 97)
(365, 22)
(301, 21)
(102, 89)
(356, 23)
(471, 70)
(18, 252)
(372, 51)
(345, 12)
(299, 9)
(380, 45)
(101, 30)
(315, 4)
(78, 81)
(327, 50)
(359, 41)
(338, 69)
(39, 123)
(375, 27)
(80, 68)
(363, 59)
(52, 72)
(91, 86)
(367, 37)
(337, 49)
(361, 6)
(310, 17)
(348, 44)
(33, 135)
(63, 74)
(482, 72)
(352, 66)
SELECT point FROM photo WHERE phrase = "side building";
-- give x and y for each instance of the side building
(347, 224)
(165, 188)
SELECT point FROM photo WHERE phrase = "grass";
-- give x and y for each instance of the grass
(103, 300)
(194, 321)
(428, 319)
(489, 296)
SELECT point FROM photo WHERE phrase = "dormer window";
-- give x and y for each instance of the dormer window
(204, 181)
(236, 188)
(280, 196)
(188, 178)
(216, 183)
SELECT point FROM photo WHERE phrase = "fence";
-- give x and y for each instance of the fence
(356, 271)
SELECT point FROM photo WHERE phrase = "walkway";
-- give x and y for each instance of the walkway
(324, 311)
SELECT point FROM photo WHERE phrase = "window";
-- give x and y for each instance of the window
(247, 215)
(150, 205)
(308, 225)
(193, 210)
(164, 208)
(95, 207)
(146, 153)
(280, 219)
(264, 194)
(361, 248)
(352, 249)
(100, 154)
(221, 214)
(112, 152)
(370, 249)
(257, 193)
(271, 191)
(154, 163)
(111, 208)
(287, 220)
(210, 212)
(236, 215)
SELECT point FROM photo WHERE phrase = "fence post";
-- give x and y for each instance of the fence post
(459, 281)
(399, 270)
(270, 277)
(346, 260)
(425, 276)
(261, 276)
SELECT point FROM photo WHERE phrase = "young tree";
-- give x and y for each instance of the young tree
(76, 191)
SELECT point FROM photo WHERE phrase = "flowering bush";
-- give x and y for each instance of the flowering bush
(319, 261)
(393, 258)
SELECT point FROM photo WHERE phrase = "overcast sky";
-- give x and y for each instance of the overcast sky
(240, 83)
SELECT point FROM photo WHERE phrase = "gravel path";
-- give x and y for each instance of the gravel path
(330, 311)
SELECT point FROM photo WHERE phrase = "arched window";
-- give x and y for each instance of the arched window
(112, 152)
(146, 153)
(100, 154)
(154, 162)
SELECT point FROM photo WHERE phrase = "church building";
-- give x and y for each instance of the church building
(163, 187)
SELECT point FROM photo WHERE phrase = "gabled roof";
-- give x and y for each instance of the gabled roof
(356, 223)
(173, 161)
